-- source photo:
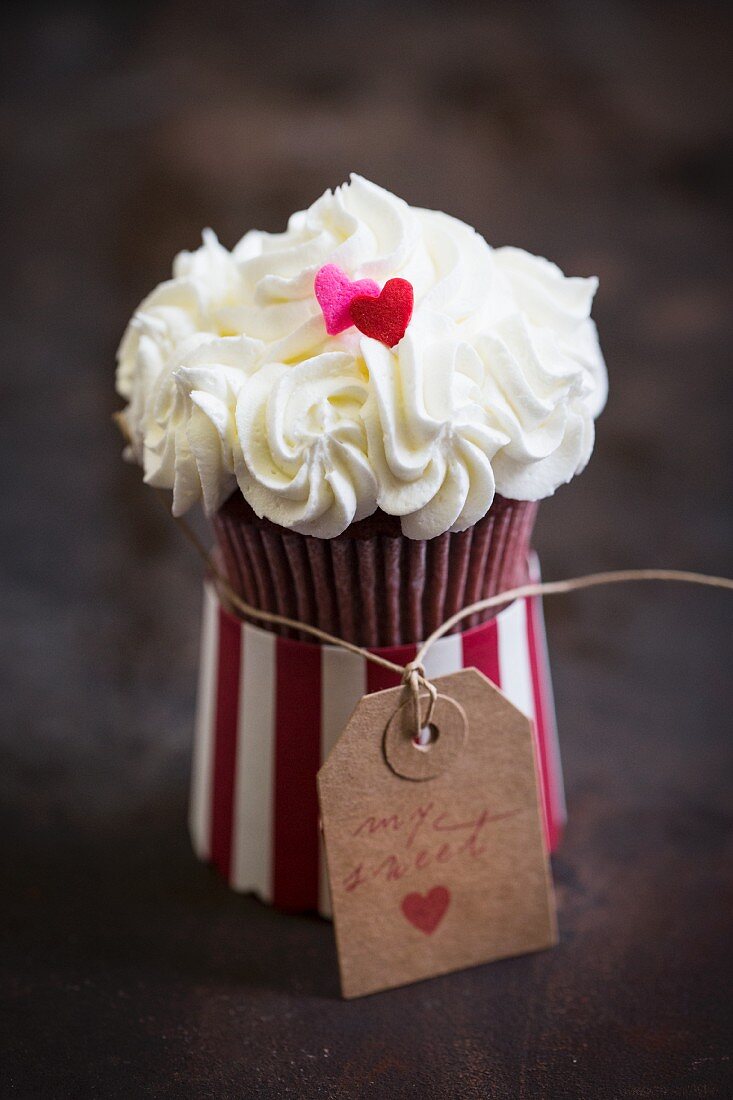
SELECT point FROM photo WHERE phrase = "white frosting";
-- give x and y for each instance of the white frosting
(303, 460)
(231, 377)
(190, 433)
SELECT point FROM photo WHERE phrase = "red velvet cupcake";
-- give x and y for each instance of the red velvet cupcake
(369, 405)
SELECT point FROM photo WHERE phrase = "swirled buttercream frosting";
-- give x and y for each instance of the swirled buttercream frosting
(232, 379)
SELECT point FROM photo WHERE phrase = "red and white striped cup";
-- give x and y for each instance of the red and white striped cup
(270, 709)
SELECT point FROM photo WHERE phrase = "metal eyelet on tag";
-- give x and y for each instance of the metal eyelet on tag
(448, 728)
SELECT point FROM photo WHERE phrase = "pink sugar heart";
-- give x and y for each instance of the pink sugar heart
(335, 293)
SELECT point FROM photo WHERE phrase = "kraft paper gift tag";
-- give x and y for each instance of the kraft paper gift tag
(435, 854)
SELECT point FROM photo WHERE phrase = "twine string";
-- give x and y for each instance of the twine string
(413, 674)
(573, 584)
(413, 677)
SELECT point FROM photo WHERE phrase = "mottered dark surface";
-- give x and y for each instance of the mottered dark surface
(591, 133)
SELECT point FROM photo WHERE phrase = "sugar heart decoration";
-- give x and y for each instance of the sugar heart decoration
(426, 911)
(335, 293)
(385, 318)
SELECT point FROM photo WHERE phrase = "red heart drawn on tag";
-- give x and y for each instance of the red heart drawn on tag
(426, 911)
(385, 318)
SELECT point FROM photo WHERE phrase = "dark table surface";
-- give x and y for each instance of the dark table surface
(591, 133)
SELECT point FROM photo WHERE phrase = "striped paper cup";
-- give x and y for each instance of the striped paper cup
(269, 710)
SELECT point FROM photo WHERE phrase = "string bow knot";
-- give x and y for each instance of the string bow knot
(414, 678)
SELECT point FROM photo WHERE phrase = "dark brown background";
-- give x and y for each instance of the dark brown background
(593, 133)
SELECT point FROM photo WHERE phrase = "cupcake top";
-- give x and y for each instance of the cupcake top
(451, 371)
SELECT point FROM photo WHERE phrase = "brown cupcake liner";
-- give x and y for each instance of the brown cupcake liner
(372, 585)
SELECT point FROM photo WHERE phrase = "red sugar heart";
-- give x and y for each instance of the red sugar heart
(426, 911)
(385, 318)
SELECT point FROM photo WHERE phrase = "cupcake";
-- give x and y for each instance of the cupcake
(369, 407)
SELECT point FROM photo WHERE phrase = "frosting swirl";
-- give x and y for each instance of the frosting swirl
(303, 460)
(231, 377)
(190, 433)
